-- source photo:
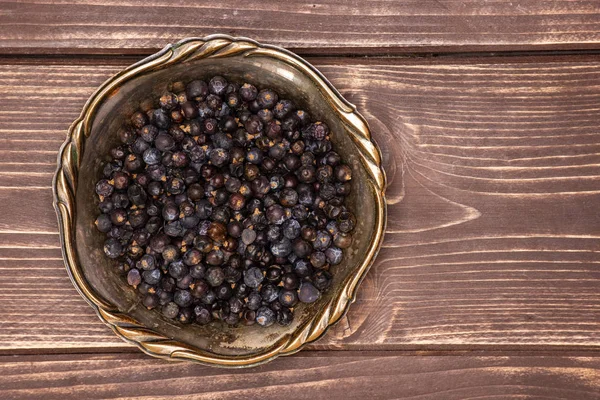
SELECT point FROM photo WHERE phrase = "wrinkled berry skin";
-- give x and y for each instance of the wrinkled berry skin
(225, 203)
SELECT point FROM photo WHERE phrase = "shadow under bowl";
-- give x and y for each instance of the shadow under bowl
(84, 153)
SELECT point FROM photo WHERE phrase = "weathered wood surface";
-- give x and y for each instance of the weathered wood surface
(492, 237)
(323, 27)
(332, 375)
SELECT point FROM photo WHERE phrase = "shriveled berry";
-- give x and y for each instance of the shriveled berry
(137, 195)
(164, 142)
(248, 236)
(265, 115)
(308, 233)
(161, 118)
(137, 218)
(159, 242)
(224, 291)
(133, 163)
(217, 231)
(301, 248)
(236, 305)
(320, 131)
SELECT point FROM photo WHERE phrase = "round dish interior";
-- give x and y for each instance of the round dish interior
(262, 72)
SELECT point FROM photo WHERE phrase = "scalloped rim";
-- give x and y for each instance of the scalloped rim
(65, 181)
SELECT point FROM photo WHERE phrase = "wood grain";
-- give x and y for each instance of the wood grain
(304, 376)
(310, 27)
(492, 238)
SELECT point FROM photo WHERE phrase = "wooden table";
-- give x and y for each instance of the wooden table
(487, 113)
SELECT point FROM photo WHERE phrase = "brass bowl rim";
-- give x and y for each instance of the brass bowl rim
(64, 186)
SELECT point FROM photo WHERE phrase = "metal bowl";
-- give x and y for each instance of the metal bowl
(92, 135)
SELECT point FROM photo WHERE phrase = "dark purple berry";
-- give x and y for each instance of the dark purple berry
(104, 188)
(217, 85)
(170, 310)
(308, 293)
(253, 277)
(265, 316)
(134, 278)
(267, 98)
(248, 92)
(288, 298)
(197, 90)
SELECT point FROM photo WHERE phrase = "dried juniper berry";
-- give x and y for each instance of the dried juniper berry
(285, 317)
(253, 277)
(197, 90)
(103, 223)
(265, 316)
(248, 92)
(170, 310)
(308, 293)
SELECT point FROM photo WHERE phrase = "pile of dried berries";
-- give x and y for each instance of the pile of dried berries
(225, 202)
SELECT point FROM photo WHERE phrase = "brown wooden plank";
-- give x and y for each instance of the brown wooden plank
(303, 376)
(492, 238)
(327, 26)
